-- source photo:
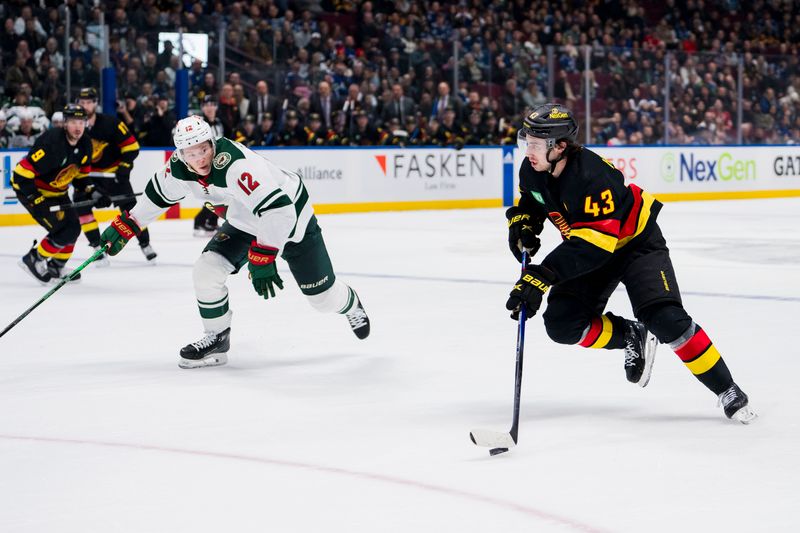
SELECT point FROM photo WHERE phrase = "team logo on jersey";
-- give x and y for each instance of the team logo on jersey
(222, 160)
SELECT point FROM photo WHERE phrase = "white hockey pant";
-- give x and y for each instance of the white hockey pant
(211, 270)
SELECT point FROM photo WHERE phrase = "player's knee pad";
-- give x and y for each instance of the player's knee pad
(332, 300)
(210, 272)
(564, 326)
(667, 321)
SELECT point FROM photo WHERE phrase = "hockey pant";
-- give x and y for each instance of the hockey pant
(63, 230)
(109, 187)
(574, 312)
(308, 260)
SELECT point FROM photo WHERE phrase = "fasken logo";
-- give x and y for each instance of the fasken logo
(438, 164)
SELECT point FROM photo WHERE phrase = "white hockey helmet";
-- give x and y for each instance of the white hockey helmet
(191, 131)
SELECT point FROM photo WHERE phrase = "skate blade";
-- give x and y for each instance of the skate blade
(650, 346)
(745, 415)
(56, 281)
(214, 359)
(24, 267)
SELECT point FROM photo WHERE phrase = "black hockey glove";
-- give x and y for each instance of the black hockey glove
(529, 290)
(523, 232)
(39, 206)
(92, 194)
(123, 173)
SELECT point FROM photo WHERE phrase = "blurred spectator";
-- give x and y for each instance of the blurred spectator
(158, 124)
(325, 103)
(444, 100)
(27, 134)
(57, 120)
(5, 134)
(399, 106)
(131, 113)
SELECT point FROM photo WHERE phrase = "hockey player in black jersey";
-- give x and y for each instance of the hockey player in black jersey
(610, 235)
(114, 149)
(60, 157)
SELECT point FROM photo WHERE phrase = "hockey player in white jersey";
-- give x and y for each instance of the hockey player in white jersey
(268, 214)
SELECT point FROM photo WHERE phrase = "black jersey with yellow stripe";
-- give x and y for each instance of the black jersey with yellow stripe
(112, 144)
(52, 164)
(589, 203)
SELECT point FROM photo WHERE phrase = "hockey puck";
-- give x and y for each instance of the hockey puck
(497, 451)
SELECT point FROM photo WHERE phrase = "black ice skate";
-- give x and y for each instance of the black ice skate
(359, 321)
(211, 350)
(58, 271)
(640, 352)
(34, 264)
(736, 405)
(149, 253)
(207, 227)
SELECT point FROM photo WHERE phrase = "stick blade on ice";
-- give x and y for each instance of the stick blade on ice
(491, 439)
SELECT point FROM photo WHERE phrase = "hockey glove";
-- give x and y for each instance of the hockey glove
(91, 193)
(523, 231)
(39, 206)
(263, 272)
(123, 173)
(529, 291)
(116, 236)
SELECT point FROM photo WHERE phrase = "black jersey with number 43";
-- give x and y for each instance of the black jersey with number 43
(589, 203)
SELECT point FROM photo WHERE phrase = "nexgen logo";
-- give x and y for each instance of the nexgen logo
(691, 168)
(438, 164)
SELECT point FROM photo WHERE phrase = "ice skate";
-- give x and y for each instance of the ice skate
(206, 229)
(640, 352)
(35, 265)
(58, 271)
(358, 319)
(149, 253)
(102, 260)
(211, 350)
(736, 405)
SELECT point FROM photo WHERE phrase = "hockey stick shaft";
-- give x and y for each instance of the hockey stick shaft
(52, 291)
(500, 442)
(518, 366)
(87, 203)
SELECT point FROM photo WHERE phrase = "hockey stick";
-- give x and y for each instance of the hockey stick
(61, 283)
(87, 203)
(497, 441)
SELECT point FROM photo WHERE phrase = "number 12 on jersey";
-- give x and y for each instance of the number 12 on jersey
(595, 209)
(247, 183)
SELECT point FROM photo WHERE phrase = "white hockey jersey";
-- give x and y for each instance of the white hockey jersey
(261, 198)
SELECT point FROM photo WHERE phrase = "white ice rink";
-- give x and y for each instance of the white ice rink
(308, 429)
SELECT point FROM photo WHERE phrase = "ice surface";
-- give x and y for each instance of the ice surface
(308, 429)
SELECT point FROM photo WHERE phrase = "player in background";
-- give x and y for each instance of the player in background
(610, 234)
(268, 214)
(60, 157)
(114, 149)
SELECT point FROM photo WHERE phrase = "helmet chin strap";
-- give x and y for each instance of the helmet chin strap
(553, 163)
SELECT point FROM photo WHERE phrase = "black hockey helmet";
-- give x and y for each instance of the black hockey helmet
(553, 122)
(87, 93)
(74, 111)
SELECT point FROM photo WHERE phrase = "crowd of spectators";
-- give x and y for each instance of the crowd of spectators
(366, 72)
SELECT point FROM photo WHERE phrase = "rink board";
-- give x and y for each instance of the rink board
(344, 180)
